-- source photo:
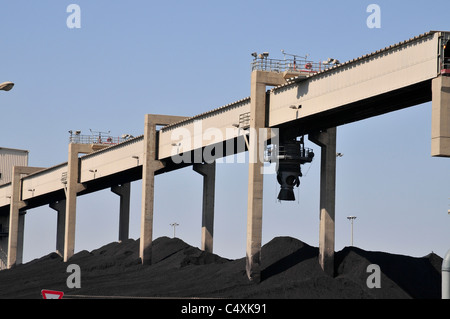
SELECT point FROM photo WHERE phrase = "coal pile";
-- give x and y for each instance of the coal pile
(290, 270)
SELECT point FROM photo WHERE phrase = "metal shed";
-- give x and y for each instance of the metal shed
(10, 157)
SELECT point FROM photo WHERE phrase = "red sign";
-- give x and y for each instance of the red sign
(51, 294)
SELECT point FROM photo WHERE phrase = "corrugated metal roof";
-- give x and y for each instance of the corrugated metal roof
(9, 158)
(13, 149)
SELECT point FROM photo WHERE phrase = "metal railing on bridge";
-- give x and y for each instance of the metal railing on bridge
(89, 139)
(100, 138)
(299, 65)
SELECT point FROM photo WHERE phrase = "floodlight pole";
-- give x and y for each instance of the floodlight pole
(351, 218)
(174, 225)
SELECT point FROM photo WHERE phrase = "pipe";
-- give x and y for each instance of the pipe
(446, 276)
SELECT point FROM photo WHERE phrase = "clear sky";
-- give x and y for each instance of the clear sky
(130, 58)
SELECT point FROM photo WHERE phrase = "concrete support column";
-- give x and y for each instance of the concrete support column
(60, 207)
(259, 81)
(124, 192)
(327, 141)
(17, 216)
(440, 125)
(20, 237)
(208, 171)
(150, 165)
(73, 187)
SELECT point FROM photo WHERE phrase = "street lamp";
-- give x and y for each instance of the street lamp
(6, 86)
(351, 218)
(174, 225)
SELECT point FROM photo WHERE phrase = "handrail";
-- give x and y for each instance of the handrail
(91, 139)
(275, 153)
(287, 65)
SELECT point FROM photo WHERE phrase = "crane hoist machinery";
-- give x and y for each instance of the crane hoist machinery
(289, 154)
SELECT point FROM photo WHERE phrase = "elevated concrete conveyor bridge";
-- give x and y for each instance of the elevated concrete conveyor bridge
(402, 75)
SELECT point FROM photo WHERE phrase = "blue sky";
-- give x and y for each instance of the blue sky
(130, 58)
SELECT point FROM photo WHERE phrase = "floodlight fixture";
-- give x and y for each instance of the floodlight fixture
(136, 158)
(6, 86)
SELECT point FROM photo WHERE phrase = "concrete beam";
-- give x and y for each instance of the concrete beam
(124, 192)
(149, 166)
(327, 141)
(208, 171)
(60, 207)
(440, 117)
(16, 215)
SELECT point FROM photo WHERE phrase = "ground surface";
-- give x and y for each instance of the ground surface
(290, 270)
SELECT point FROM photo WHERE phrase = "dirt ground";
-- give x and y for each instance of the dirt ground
(290, 270)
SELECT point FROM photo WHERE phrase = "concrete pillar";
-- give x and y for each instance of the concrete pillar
(60, 207)
(124, 192)
(440, 117)
(208, 171)
(73, 187)
(327, 141)
(16, 215)
(259, 81)
(20, 237)
(149, 166)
